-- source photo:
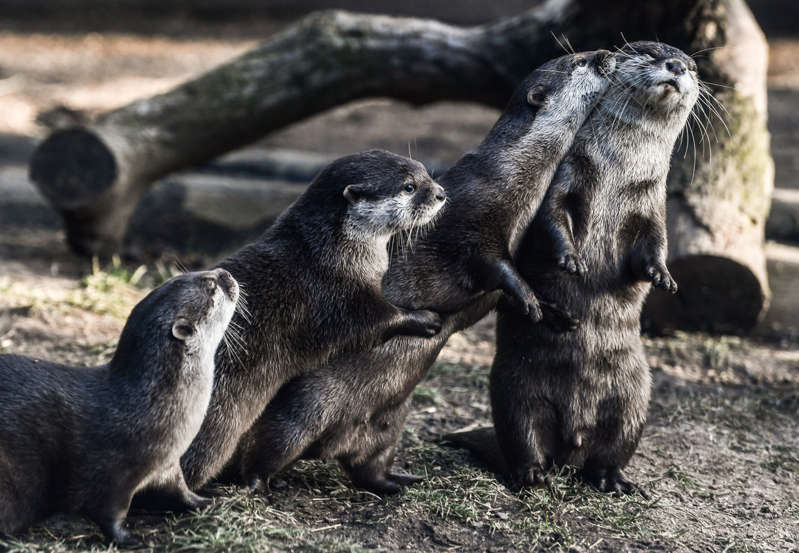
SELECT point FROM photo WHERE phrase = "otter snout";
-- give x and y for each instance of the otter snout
(604, 61)
(228, 284)
(675, 66)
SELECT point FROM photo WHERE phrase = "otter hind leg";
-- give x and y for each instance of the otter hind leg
(293, 421)
(529, 438)
(169, 492)
(109, 512)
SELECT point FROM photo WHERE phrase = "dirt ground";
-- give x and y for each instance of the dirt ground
(719, 457)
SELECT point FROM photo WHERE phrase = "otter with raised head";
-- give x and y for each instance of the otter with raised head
(354, 409)
(581, 399)
(83, 440)
(313, 287)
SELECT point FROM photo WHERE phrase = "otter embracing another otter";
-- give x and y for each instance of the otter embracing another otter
(313, 287)
(354, 408)
(581, 398)
(83, 440)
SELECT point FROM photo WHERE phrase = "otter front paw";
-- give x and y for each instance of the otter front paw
(558, 319)
(424, 323)
(531, 309)
(572, 263)
(659, 275)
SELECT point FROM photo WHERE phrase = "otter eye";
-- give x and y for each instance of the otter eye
(410, 188)
(580, 62)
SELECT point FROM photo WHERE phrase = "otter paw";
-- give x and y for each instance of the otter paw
(404, 479)
(572, 263)
(381, 486)
(121, 537)
(254, 484)
(619, 484)
(558, 319)
(531, 309)
(533, 476)
(659, 275)
(199, 502)
(429, 322)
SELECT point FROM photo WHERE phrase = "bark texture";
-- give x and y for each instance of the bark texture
(95, 174)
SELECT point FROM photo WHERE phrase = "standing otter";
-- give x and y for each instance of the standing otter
(313, 283)
(83, 440)
(581, 398)
(354, 409)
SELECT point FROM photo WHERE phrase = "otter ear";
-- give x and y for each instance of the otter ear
(353, 192)
(537, 95)
(182, 329)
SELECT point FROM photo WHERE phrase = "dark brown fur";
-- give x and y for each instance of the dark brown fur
(581, 398)
(354, 408)
(83, 440)
(313, 287)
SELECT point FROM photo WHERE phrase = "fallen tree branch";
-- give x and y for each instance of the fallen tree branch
(95, 174)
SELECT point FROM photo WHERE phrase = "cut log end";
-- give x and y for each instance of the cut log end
(717, 294)
(72, 168)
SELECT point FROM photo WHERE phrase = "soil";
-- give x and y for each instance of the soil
(719, 458)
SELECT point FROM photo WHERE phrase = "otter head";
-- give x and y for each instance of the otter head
(655, 85)
(548, 108)
(184, 318)
(387, 193)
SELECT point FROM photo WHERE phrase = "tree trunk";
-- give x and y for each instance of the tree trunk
(94, 175)
(719, 195)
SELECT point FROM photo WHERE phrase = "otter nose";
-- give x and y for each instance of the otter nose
(675, 66)
(226, 281)
(601, 56)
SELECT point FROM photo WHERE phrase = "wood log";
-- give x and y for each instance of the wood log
(783, 219)
(719, 198)
(95, 174)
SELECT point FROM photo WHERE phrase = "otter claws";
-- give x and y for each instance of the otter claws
(612, 480)
(388, 483)
(428, 322)
(533, 476)
(558, 319)
(532, 310)
(659, 275)
(115, 533)
(572, 263)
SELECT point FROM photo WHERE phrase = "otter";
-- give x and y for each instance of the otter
(354, 408)
(581, 399)
(313, 287)
(83, 440)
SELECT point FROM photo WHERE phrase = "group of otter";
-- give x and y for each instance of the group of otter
(557, 220)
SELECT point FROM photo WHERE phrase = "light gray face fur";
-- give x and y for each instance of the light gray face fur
(580, 86)
(655, 90)
(218, 294)
(201, 335)
(401, 206)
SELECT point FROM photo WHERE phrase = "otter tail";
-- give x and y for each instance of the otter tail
(483, 444)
